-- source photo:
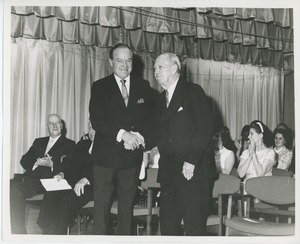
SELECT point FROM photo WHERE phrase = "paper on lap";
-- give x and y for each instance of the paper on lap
(55, 185)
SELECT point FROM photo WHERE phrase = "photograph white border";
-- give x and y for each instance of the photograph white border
(5, 119)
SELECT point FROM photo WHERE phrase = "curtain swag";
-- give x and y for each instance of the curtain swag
(262, 37)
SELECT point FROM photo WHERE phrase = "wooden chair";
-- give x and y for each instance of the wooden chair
(38, 197)
(148, 210)
(225, 184)
(274, 190)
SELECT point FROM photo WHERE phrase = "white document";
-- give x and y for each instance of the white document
(55, 185)
(142, 171)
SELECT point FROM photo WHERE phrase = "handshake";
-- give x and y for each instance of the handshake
(133, 140)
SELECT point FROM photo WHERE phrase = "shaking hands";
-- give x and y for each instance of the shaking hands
(133, 140)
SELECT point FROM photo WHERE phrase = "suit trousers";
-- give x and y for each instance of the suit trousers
(106, 182)
(190, 201)
(20, 189)
(58, 209)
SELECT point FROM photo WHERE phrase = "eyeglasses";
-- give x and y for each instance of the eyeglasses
(50, 124)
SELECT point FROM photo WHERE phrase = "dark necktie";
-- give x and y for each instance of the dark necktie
(124, 92)
(167, 99)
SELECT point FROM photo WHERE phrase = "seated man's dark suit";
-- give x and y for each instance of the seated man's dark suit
(59, 207)
(28, 184)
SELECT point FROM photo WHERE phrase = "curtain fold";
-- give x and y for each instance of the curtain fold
(158, 28)
(52, 77)
(237, 55)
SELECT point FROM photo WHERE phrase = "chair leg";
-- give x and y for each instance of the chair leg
(84, 224)
(149, 206)
(78, 224)
(227, 231)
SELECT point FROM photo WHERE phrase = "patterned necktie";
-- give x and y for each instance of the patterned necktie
(167, 99)
(124, 92)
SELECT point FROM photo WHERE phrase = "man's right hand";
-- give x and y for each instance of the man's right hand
(132, 140)
(79, 187)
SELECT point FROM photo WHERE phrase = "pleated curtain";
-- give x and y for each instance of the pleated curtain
(238, 56)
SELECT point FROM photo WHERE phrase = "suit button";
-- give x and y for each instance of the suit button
(170, 140)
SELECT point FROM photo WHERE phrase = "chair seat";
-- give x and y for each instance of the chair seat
(213, 220)
(263, 205)
(292, 208)
(138, 210)
(257, 227)
(90, 204)
(36, 197)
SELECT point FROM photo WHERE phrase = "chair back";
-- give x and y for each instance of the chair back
(272, 189)
(226, 184)
(150, 180)
(281, 172)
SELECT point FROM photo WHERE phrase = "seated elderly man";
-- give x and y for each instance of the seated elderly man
(59, 207)
(47, 157)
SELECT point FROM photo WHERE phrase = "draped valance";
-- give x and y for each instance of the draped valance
(262, 37)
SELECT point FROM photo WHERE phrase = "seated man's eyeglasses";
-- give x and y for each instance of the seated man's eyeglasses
(54, 124)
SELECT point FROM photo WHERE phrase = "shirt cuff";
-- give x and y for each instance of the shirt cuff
(119, 135)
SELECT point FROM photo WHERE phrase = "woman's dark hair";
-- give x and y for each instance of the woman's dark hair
(260, 127)
(224, 132)
(287, 137)
(244, 134)
(282, 126)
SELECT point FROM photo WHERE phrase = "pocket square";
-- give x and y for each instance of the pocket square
(139, 101)
(181, 108)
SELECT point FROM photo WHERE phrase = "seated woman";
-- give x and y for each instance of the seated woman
(258, 159)
(224, 150)
(282, 146)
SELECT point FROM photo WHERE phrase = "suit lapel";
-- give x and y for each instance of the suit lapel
(133, 94)
(176, 100)
(115, 92)
(44, 145)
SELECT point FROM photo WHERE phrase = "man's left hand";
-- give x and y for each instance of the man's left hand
(188, 170)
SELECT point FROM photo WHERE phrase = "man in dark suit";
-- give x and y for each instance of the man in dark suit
(121, 114)
(186, 164)
(58, 207)
(48, 156)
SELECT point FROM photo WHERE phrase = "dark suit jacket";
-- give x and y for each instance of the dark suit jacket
(80, 165)
(109, 114)
(61, 153)
(184, 132)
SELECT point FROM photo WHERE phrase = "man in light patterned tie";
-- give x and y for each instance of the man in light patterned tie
(46, 158)
(121, 113)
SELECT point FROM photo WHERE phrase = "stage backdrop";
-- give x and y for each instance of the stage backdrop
(239, 57)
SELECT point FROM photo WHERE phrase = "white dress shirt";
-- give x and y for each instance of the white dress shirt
(171, 90)
(50, 144)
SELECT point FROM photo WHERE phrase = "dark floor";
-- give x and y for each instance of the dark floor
(32, 212)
